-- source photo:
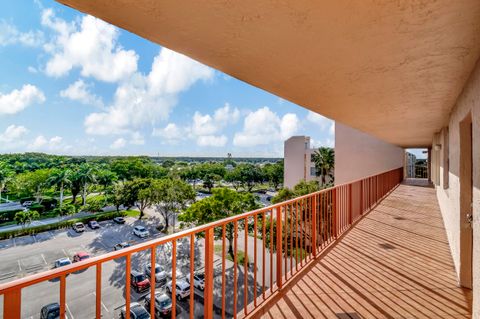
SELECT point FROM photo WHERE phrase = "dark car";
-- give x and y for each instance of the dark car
(163, 304)
(93, 224)
(121, 246)
(119, 220)
(139, 281)
(50, 311)
(137, 311)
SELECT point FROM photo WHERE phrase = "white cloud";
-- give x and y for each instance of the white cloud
(17, 100)
(148, 99)
(263, 127)
(91, 45)
(137, 139)
(212, 140)
(170, 134)
(226, 115)
(118, 143)
(331, 130)
(39, 142)
(13, 133)
(9, 35)
(80, 91)
(319, 120)
(32, 69)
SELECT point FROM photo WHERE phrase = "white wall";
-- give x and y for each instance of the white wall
(358, 155)
(449, 198)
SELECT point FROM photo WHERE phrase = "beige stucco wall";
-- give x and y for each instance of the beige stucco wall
(358, 154)
(449, 198)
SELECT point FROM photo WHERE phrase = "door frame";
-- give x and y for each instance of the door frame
(466, 199)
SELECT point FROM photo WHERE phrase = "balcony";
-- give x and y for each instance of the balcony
(368, 249)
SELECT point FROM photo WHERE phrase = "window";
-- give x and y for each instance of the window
(446, 160)
(313, 171)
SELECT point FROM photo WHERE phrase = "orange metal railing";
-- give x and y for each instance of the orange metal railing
(286, 237)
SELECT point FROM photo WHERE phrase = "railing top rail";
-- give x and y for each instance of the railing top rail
(55, 273)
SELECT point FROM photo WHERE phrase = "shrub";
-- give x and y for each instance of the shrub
(66, 209)
(37, 208)
(8, 215)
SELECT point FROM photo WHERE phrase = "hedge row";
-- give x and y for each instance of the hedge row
(60, 225)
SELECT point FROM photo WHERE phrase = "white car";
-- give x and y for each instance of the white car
(62, 262)
(198, 280)
(182, 289)
(140, 231)
(160, 274)
(137, 311)
(27, 203)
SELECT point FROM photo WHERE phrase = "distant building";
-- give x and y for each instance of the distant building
(298, 164)
(410, 160)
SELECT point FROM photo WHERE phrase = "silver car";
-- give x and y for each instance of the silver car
(160, 274)
(182, 289)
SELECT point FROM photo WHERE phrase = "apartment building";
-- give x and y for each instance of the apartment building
(298, 163)
(410, 160)
(393, 75)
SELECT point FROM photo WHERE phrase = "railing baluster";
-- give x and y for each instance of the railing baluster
(264, 216)
(128, 260)
(192, 269)
(62, 296)
(209, 272)
(152, 280)
(279, 246)
(271, 249)
(296, 236)
(285, 241)
(314, 226)
(255, 260)
(224, 257)
(245, 269)
(235, 293)
(174, 278)
(12, 304)
(98, 291)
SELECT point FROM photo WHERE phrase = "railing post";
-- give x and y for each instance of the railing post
(350, 213)
(208, 291)
(361, 197)
(12, 304)
(98, 291)
(279, 245)
(314, 226)
(334, 211)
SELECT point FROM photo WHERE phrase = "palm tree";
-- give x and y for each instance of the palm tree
(60, 178)
(324, 159)
(86, 175)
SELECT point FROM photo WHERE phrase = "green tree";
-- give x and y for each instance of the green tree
(324, 159)
(6, 175)
(222, 204)
(26, 217)
(86, 175)
(302, 188)
(139, 193)
(209, 182)
(60, 178)
(32, 183)
(274, 173)
(171, 197)
(105, 178)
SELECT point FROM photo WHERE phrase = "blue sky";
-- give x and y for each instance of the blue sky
(73, 84)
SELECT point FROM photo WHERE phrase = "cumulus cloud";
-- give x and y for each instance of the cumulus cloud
(89, 44)
(263, 127)
(10, 35)
(80, 91)
(54, 143)
(147, 99)
(118, 143)
(319, 120)
(137, 139)
(13, 133)
(17, 100)
(170, 134)
(212, 140)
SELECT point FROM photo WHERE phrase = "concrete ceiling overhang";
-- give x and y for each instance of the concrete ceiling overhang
(393, 69)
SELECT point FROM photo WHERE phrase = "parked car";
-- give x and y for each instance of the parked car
(137, 311)
(163, 304)
(139, 281)
(62, 262)
(182, 289)
(198, 280)
(160, 274)
(119, 220)
(140, 231)
(27, 203)
(80, 256)
(79, 227)
(121, 246)
(50, 311)
(93, 224)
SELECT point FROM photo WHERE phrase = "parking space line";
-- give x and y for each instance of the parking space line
(65, 253)
(34, 238)
(68, 309)
(19, 267)
(101, 302)
(44, 260)
(14, 242)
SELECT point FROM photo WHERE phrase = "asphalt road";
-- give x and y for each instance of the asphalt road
(27, 255)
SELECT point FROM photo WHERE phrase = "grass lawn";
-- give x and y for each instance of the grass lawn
(132, 213)
(240, 254)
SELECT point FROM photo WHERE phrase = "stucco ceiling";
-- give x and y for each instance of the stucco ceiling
(389, 68)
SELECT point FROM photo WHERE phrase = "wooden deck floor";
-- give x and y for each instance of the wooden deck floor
(395, 263)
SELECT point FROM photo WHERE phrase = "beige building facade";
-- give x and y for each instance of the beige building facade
(298, 164)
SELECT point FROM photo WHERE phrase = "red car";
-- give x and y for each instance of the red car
(139, 281)
(80, 256)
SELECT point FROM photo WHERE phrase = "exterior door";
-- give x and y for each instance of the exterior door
(466, 199)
